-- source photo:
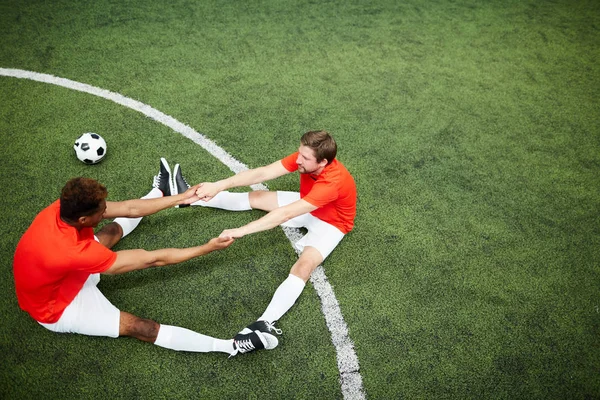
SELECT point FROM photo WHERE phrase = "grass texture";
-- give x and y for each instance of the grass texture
(471, 129)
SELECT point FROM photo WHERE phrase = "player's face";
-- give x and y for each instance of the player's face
(307, 162)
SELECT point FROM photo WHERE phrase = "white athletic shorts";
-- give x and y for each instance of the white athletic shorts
(322, 236)
(90, 313)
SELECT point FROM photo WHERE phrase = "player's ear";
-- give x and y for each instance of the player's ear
(83, 219)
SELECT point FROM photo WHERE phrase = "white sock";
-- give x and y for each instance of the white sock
(129, 224)
(227, 201)
(181, 339)
(284, 298)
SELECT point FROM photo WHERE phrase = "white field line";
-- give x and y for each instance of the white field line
(350, 378)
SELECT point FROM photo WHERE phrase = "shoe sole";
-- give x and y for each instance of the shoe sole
(271, 340)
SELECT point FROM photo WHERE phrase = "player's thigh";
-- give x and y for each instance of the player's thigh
(322, 236)
(90, 313)
(263, 200)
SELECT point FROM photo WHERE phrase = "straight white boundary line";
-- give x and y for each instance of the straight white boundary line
(350, 378)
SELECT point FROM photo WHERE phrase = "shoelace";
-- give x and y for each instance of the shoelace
(245, 345)
(271, 327)
(156, 182)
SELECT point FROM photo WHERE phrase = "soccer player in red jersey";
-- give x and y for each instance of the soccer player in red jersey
(59, 259)
(325, 206)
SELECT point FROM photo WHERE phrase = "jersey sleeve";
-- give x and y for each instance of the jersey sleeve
(289, 162)
(321, 194)
(92, 257)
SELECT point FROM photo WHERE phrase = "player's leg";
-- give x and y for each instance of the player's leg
(231, 201)
(310, 259)
(321, 239)
(91, 313)
(227, 201)
(171, 337)
(263, 200)
(109, 235)
(182, 339)
(290, 289)
(257, 200)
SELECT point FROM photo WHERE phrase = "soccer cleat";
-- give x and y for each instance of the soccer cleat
(162, 181)
(262, 326)
(180, 185)
(257, 340)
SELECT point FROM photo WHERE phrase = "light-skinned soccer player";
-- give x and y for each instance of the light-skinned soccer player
(325, 206)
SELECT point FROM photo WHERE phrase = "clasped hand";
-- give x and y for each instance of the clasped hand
(232, 233)
(207, 190)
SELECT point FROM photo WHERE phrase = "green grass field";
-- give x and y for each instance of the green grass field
(472, 129)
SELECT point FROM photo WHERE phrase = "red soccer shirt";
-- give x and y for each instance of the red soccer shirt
(52, 262)
(333, 191)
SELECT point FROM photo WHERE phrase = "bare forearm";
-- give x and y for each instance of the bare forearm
(142, 207)
(276, 217)
(244, 178)
(132, 260)
(175, 256)
(208, 190)
(268, 221)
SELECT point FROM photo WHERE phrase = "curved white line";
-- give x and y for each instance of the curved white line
(350, 379)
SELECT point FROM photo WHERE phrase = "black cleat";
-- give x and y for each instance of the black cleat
(162, 181)
(263, 326)
(245, 343)
(180, 185)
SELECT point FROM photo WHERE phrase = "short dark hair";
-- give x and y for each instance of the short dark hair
(322, 143)
(81, 197)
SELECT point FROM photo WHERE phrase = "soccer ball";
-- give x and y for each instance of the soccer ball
(90, 148)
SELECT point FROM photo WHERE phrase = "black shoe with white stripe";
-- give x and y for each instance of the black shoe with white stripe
(262, 326)
(257, 340)
(162, 181)
(180, 185)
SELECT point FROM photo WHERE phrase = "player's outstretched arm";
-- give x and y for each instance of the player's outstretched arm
(131, 260)
(208, 190)
(141, 207)
(274, 218)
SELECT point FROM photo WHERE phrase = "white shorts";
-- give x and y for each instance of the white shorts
(90, 313)
(322, 236)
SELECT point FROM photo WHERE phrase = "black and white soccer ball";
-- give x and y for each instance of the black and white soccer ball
(90, 148)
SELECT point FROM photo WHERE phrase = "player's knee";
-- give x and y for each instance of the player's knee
(263, 200)
(302, 270)
(307, 262)
(112, 229)
(110, 234)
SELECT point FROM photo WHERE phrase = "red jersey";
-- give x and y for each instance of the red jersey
(333, 191)
(52, 262)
